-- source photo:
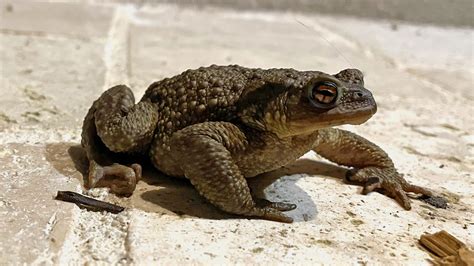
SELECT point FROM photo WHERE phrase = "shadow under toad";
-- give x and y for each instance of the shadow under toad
(163, 194)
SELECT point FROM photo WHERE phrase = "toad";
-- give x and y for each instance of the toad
(219, 125)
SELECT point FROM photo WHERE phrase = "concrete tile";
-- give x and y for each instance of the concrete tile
(52, 62)
(51, 70)
(420, 46)
(427, 53)
(167, 40)
(428, 137)
(34, 225)
(50, 81)
(334, 223)
(79, 20)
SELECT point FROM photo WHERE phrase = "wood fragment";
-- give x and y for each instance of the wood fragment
(88, 203)
(447, 249)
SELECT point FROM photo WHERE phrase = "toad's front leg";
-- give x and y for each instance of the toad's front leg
(372, 166)
(204, 152)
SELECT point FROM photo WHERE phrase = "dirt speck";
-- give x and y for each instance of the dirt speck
(33, 95)
(257, 250)
(326, 242)
(5, 118)
(451, 197)
(438, 202)
(357, 222)
(9, 8)
(210, 254)
(448, 126)
(351, 214)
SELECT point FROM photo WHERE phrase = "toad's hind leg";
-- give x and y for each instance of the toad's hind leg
(204, 152)
(115, 126)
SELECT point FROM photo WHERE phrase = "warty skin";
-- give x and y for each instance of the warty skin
(219, 125)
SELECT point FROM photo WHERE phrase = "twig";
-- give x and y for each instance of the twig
(89, 203)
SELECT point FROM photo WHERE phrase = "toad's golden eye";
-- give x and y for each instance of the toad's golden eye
(323, 94)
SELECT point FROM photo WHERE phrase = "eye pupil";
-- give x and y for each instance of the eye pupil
(325, 92)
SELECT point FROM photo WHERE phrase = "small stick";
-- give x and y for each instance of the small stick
(89, 203)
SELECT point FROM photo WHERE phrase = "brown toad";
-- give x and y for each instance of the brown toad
(219, 125)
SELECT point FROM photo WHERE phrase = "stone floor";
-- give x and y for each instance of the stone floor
(57, 57)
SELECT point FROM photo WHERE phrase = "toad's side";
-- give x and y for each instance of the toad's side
(219, 125)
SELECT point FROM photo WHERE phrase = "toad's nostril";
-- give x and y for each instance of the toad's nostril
(360, 94)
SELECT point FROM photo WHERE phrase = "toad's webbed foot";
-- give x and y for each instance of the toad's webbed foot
(389, 181)
(372, 166)
(280, 206)
(121, 179)
(269, 213)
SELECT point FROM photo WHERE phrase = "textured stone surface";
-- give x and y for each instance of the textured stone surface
(42, 74)
(33, 225)
(439, 12)
(52, 70)
(74, 20)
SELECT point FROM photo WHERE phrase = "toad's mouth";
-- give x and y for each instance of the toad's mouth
(362, 112)
(354, 112)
